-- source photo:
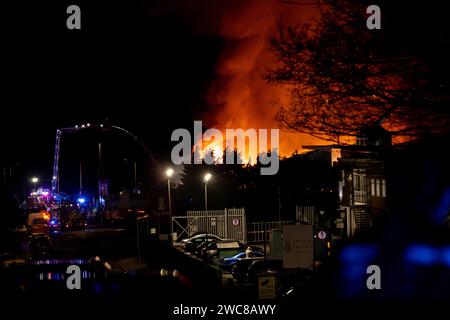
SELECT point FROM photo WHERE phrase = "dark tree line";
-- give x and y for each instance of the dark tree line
(342, 76)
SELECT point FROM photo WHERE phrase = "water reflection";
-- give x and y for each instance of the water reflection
(58, 276)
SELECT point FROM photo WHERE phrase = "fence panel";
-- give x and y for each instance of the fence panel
(255, 230)
(227, 223)
(306, 214)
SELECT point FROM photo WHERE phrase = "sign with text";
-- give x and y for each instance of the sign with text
(266, 288)
(298, 249)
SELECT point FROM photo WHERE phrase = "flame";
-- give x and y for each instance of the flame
(239, 95)
(215, 150)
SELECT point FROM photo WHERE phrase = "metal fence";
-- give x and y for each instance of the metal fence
(306, 214)
(231, 224)
(259, 231)
(226, 223)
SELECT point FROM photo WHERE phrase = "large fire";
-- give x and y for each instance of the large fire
(240, 96)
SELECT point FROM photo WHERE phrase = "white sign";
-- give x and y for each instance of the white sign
(298, 246)
(322, 235)
(266, 288)
(235, 222)
(213, 222)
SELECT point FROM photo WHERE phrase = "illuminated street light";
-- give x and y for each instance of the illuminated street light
(169, 173)
(206, 178)
(34, 181)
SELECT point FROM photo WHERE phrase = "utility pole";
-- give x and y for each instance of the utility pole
(206, 209)
(206, 178)
(206, 196)
(169, 173)
(170, 210)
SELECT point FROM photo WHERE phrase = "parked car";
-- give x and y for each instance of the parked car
(191, 243)
(213, 252)
(198, 251)
(268, 267)
(193, 235)
(239, 269)
(228, 263)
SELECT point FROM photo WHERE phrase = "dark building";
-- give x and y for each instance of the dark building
(362, 183)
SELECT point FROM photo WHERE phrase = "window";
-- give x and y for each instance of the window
(359, 185)
(377, 187)
(359, 179)
(361, 141)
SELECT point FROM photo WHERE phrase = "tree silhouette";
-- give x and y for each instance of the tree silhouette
(342, 76)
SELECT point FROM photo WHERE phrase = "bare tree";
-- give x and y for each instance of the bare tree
(342, 76)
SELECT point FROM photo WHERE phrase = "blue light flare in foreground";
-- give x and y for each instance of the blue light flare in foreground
(427, 255)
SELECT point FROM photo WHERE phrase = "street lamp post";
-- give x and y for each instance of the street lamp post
(206, 178)
(34, 181)
(169, 174)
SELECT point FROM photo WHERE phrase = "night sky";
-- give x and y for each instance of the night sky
(145, 73)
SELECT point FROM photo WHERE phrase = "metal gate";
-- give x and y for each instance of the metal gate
(226, 223)
(306, 214)
(260, 231)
